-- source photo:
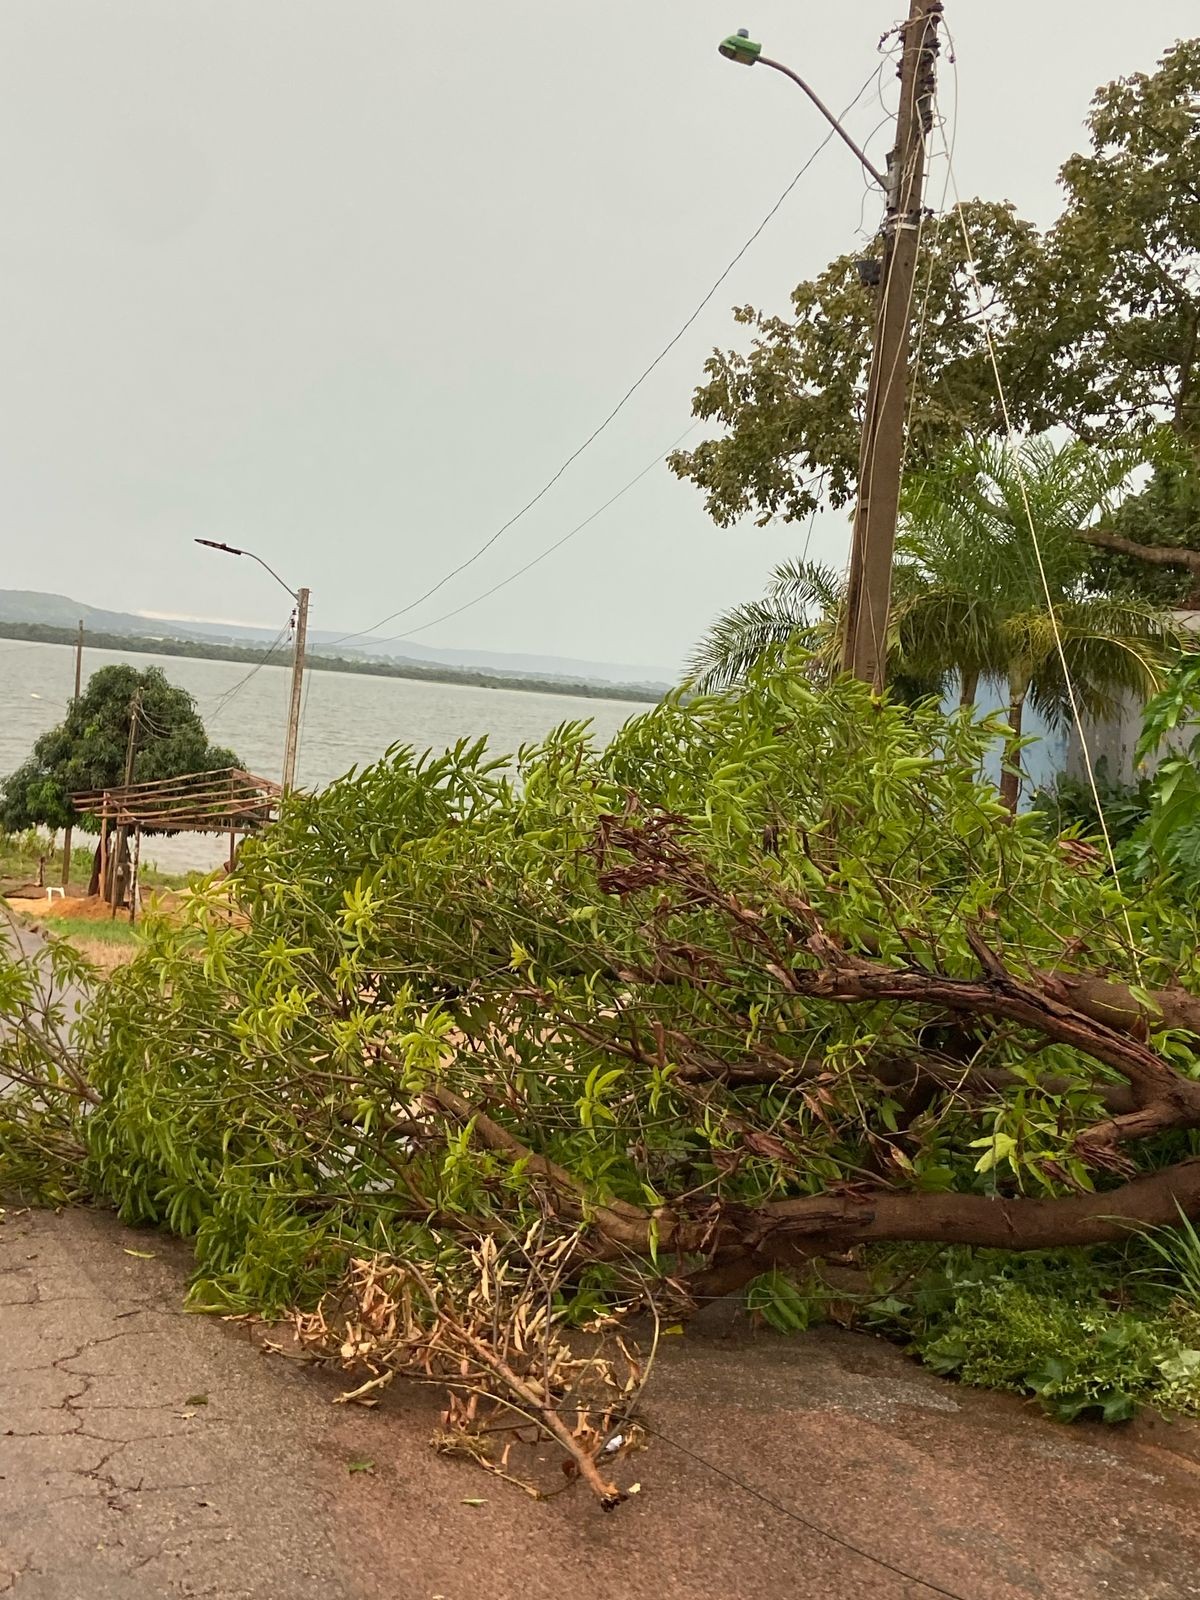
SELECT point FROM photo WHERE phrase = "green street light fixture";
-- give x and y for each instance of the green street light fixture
(740, 47)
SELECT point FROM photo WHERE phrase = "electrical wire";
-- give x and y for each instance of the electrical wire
(1013, 440)
(550, 549)
(226, 699)
(795, 1516)
(949, 145)
(625, 398)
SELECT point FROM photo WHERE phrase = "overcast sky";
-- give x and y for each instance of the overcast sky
(347, 282)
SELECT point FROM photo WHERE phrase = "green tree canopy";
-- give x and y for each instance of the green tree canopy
(1125, 254)
(88, 749)
(792, 407)
(1095, 327)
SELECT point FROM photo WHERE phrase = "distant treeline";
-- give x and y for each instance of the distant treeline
(48, 633)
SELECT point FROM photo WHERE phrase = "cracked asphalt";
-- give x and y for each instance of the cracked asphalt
(145, 1452)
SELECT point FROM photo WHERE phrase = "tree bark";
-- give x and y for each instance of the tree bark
(1154, 1200)
(1157, 555)
(970, 689)
(1010, 776)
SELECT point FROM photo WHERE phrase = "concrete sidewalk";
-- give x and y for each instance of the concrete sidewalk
(147, 1453)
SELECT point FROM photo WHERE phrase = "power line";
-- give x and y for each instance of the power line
(794, 1516)
(625, 398)
(550, 549)
(225, 699)
(1013, 445)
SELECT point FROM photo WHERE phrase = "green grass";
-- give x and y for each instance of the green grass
(82, 930)
(19, 855)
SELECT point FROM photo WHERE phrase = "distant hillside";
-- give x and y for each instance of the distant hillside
(59, 611)
(431, 672)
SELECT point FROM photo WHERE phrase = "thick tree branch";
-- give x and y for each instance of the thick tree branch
(1112, 1003)
(1157, 555)
(1155, 1200)
(997, 994)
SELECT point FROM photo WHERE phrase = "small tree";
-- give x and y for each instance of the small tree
(993, 584)
(979, 594)
(88, 749)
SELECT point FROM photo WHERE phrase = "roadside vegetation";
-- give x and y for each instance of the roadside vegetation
(774, 995)
(636, 1032)
(25, 854)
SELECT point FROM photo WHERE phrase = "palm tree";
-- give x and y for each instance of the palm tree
(991, 579)
(979, 594)
(802, 604)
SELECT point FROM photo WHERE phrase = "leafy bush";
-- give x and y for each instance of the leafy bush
(1052, 1326)
(608, 964)
(1069, 807)
(770, 976)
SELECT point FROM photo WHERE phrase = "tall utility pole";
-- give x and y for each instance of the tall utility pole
(291, 745)
(68, 831)
(864, 650)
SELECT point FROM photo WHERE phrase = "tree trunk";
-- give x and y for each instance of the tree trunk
(970, 689)
(94, 881)
(1010, 776)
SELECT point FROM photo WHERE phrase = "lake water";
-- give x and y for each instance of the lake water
(348, 720)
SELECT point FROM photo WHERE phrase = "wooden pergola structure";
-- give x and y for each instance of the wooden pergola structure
(227, 801)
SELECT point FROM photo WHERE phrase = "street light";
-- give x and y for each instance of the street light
(747, 52)
(881, 447)
(740, 47)
(291, 743)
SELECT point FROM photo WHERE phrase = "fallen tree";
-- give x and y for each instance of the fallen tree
(768, 978)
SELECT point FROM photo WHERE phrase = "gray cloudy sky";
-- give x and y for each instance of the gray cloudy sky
(347, 282)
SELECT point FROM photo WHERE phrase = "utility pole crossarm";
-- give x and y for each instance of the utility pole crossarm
(881, 456)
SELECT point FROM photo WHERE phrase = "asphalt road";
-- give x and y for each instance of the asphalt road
(148, 1453)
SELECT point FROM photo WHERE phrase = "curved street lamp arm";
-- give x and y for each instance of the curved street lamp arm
(766, 61)
(232, 550)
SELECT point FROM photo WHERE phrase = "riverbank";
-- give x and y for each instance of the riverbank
(578, 688)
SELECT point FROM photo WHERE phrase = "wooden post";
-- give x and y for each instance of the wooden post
(133, 880)
(881, 456)
(67, 835)
(104, 847)
(232, 830)
(292, 742)
(135, 711)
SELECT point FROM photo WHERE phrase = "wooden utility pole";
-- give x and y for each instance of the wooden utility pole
(292, 742)
(68, 831)
(864, 649)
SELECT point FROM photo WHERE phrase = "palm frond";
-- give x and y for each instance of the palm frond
(801, 605)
